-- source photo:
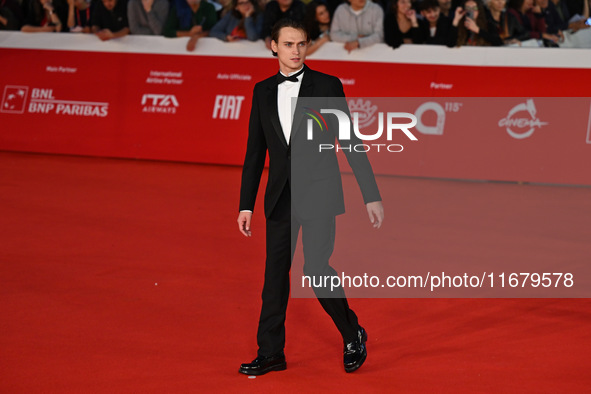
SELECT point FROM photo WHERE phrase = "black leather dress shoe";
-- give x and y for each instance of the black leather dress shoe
(355, 352)
(262, 365)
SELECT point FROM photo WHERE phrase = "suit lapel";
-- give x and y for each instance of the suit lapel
(306, 90)
(274, 111)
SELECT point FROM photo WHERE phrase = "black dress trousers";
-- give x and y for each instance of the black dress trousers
(318, 237)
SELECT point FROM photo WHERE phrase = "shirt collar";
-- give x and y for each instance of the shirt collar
(292, 73)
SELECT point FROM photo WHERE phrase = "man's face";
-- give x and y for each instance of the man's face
(432, 14)
(109, 4)
(291, 49)
(445, 5)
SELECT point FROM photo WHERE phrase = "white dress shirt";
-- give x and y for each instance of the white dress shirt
(286, 91)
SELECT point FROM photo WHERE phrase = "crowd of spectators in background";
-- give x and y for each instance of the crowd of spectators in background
(354, 23)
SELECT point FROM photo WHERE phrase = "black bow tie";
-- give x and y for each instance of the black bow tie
(293, 78)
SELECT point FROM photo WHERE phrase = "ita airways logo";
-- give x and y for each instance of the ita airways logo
(14, 99)
(159, 103)
(521, 122)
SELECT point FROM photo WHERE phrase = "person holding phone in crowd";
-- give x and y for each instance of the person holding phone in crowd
(558, 16)
(579, 9)
(471, 27)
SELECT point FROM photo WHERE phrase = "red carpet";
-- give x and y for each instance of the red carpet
(86, 240)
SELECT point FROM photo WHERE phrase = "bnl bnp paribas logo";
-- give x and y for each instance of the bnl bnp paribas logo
(43, 101)
(521, 121)
(344, 132)
(14, 99)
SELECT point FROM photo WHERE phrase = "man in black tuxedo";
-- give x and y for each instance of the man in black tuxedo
(312, 207)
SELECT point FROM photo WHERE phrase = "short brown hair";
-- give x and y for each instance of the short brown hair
(286, 22)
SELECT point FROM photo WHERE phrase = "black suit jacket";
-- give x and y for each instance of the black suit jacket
(316, 188)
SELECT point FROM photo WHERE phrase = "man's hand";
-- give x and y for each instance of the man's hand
(351, 45)
(411, 15)
(375, 210)
(48, 6)
(244, 223)
(471, 25)
(105, 34)
(249, 10)
(192, 43)
(458, 15)
(196, 30)
(552, 37)
(578, 25)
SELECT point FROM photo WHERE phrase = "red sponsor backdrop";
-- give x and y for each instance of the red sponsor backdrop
(195, 108)
(542, 139)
